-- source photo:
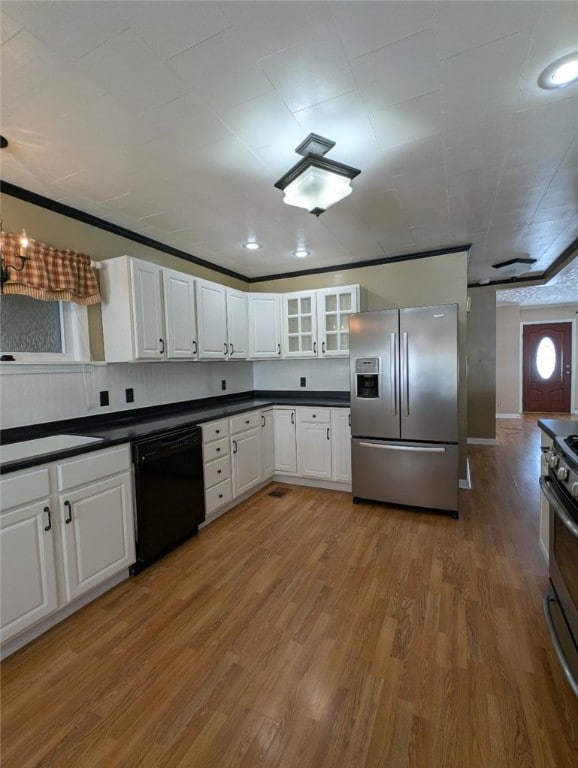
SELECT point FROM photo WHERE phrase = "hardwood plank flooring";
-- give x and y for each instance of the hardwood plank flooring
(304, 631)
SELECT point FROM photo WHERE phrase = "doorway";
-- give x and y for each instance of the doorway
(546, 367)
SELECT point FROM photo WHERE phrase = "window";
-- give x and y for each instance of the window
(43, 331)
(546, 358)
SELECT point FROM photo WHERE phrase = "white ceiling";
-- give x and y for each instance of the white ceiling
(562, 289)
(174, 120)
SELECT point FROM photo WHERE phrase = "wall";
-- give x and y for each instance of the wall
(509, 348)
(482, 365)
(419, 282)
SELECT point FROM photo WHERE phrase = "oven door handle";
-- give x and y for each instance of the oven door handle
(553, 500)
(550, 597)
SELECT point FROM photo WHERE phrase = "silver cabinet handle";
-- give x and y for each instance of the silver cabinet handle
(550, 597)
(68, 518)
(393, 372)
(549, 493)
(49, 526)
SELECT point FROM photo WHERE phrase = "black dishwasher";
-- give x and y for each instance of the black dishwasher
(170, 500)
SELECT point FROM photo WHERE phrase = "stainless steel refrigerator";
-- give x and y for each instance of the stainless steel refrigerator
(404, 406)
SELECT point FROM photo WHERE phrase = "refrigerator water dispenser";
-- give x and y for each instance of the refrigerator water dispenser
(367, 377)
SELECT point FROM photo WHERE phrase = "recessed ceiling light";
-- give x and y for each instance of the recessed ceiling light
(560, 73)
(252, 246)
(301, 253)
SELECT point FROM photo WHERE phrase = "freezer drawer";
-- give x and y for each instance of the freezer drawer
(416, 474)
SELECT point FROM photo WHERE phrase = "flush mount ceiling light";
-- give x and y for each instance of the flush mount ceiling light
(301, 253)
(560, 73)
(252, 246)
(514, 267)
(316, 183)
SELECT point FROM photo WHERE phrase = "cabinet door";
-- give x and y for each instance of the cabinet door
(314, 450)
(285, 441)
(149, 336)
(341, 444)
(237, 324)
(300, 324)
(28, 585)
(212, 320)
(97, 533)
(334, 305)
(180, 320)
(264, 325)
(267, 443)
(246, 460)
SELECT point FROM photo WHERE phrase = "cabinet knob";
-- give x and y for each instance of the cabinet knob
(220, 495)
(218, 450)
(217, 431)
(219, 471)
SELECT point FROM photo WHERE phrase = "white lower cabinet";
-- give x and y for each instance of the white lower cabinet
(341, 444)
(268, 443)
(285, 440)
(66, 528)
(246, 460)
(97, 533)
(314, 443)
(28, 572)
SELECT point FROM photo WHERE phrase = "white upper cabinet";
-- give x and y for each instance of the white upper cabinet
(300, 324)
(316, 323)
(264, 325)
(180, 316)
(148, 313)
(222, 322)
(334, 305)
(237, 323)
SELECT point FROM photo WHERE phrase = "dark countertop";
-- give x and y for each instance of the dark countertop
(559, 427)
(128, 426)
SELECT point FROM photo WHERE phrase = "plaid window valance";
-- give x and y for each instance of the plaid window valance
(49, 274)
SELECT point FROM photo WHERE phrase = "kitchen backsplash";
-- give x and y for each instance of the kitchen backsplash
(36, 394)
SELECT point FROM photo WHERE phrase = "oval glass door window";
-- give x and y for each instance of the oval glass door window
(546, 358)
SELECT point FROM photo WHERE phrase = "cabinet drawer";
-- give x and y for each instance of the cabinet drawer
(245, 421)
(217, 471)
(318, 415)
(215, 430)
(218, 495)
(216, 450)
(92, 466)
(24, 487)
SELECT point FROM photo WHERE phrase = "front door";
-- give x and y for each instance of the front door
(547, 367)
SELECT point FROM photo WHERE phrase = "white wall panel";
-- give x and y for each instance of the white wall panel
(321, 375)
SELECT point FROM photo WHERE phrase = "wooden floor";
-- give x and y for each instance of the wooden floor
(307, 632)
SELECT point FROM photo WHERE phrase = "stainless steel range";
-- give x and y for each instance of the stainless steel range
(560, 487)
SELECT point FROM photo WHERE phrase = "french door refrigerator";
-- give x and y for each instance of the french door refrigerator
(404, 406)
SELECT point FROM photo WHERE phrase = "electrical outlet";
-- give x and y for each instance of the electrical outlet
(302, 381)
(223, 384)
(104, 399)
(129, 394)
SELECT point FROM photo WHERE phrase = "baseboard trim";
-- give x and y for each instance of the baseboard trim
(508, 415)
(482, 441)
(329, 485)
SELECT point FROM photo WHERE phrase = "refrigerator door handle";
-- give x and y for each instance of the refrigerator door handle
(404, 374)
(393, 372)
(415, 449)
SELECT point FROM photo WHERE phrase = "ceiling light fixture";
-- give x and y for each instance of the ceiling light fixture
(316, 183)
(301, 253)
(514, 267)
(252, 246)
(560, 73)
